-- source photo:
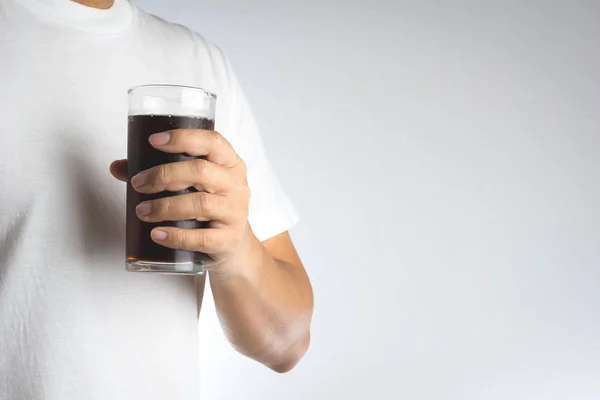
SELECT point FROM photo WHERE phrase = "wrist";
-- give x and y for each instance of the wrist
(244, 264)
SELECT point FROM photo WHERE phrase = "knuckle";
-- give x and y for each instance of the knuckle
(187, 138)
(162, 174)
(199, 203)
(203, 202)
(162, 207)
(216, 139)
(203, 240)
(209, 203)
(199, 167)
(187, 135)
(182, 239)
(220, 202)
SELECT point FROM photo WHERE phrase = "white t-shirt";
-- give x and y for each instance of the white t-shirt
(73, 323)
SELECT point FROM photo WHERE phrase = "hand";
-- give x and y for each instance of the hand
(223, 195)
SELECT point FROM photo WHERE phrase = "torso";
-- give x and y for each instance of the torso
(74, 324)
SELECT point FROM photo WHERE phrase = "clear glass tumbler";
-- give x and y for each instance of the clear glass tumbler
(154, 109)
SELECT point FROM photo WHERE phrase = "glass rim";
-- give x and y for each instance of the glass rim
(168, 86)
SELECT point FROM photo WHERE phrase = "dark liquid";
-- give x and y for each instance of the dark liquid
(142, 156)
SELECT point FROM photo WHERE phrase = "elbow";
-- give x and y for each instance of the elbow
(288, 359)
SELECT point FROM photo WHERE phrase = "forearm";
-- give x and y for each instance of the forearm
(265, 304)
(266, 308)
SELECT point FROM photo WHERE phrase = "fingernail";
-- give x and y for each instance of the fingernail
(144, 209)
(159, 235)
(160, 139)
(140, 179)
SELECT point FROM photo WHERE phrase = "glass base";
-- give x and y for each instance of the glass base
(187, 268)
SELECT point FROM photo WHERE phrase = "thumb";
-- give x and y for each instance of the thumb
(118, 169)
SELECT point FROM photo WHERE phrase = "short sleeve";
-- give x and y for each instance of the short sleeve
(271, 211)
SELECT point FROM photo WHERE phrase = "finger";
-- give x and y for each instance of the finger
(197, 142)
(118, 169)
(181, 175)
(209, 241)
(199, 206)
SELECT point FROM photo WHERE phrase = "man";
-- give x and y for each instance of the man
(73, 323)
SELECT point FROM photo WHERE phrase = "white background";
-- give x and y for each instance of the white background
(445, 158)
